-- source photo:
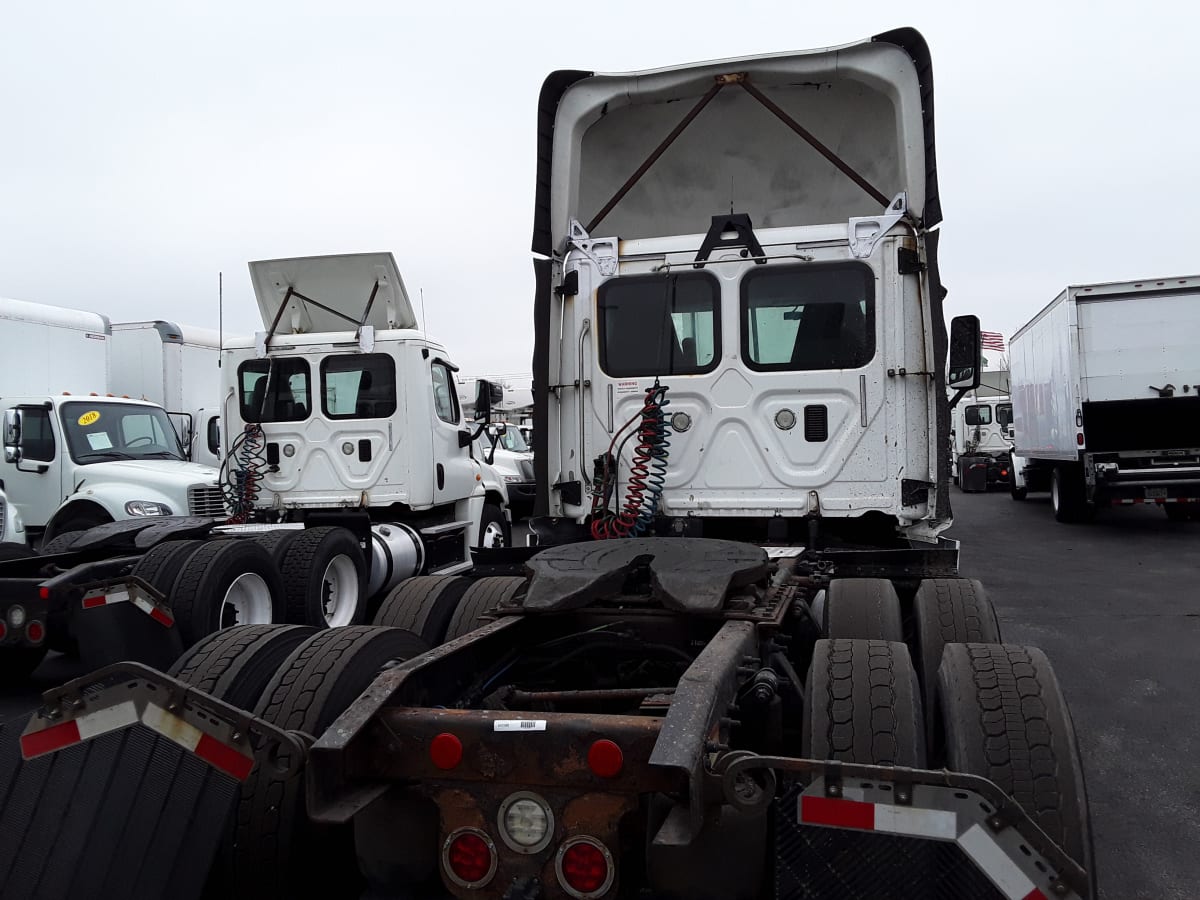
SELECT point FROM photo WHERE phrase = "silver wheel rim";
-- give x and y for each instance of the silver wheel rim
(247, 602)
(1054, 499)
(339, 591)
(493, 535)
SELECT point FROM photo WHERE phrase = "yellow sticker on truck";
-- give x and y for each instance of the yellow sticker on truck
(91, 417)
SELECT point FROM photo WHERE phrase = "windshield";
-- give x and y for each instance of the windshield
(101, 432)
(513, 440)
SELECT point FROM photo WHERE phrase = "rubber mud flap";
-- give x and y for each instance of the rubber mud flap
(124, 815)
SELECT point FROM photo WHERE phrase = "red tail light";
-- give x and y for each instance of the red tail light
(44, 593)
(445, 750)
(35, 631)
(3, 629)
(585, 868)
(1079, 439)
(470, 858)
(605, 758)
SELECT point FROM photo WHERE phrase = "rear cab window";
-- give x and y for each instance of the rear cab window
(361, 386)
(980, 414)
(1004, 414)
(806, 318)
(659, 325)
(274, 390)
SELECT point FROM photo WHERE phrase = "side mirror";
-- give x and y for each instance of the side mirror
(12, 435)
(487, 396)
(966, 354)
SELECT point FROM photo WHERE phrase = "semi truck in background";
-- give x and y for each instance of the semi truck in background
(1106, 398)
(177, 367)
(981, 428)
(75, 455)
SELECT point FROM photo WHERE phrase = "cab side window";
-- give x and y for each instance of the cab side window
(37, 439)
(445, 397)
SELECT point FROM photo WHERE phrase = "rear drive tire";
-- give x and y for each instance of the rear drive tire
(484, 594)
(863, 608)
(226, 583)
(276, 851)
(945, 611)
(160, 566)
(1007, 721)
(424, 605)
(1068, 495)
(862, 704)
(494, 529)
(325, 578)
(277, 542)
(1018, 493)
(236, 664)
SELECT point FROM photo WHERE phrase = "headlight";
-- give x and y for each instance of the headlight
(513, 479)
(147, 508)
(526, 823)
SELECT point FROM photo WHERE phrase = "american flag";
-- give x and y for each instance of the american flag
(991, 340)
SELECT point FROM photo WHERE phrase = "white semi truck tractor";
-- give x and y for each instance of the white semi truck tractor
(741, 662)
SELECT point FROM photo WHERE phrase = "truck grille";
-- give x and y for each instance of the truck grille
(206, 500)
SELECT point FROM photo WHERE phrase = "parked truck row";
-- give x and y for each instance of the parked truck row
(739, 660)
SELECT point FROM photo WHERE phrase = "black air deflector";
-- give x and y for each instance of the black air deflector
(816, 423)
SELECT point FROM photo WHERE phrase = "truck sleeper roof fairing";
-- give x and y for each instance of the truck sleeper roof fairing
(804, 138)
(314, 294)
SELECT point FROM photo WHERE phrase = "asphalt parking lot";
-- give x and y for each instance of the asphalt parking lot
(1116, 606)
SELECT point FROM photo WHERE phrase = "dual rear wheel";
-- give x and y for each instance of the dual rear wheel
(969, 702)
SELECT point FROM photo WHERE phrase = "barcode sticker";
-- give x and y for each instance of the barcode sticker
(519, 725)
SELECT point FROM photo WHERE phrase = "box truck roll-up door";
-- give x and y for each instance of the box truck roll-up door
(1130, 345)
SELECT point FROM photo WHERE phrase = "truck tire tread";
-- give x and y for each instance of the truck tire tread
(236, 664)
(195, 589)
(863, 704)
(863, 608)
(272, 854)
(1007, 721)
(484, 594)
(162, 562)
(424, 605)
(302, 557)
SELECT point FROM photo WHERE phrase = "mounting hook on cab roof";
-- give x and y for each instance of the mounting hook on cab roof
(742, 236)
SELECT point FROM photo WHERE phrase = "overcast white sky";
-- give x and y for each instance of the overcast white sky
(147, 146)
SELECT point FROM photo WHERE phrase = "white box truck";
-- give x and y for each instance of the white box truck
(74, 455)
(177, 367)
(1106, 398)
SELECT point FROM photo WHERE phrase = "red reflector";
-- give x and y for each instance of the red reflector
(3, 629)
(44, 593)
(161, 617)
(469, 858)
(92, 602)
(1004, 473)
(48, 739)
(838, 813)
(223, 757)
(605, 758)
(584, 867)
(445, 750)
(35, 631)
(1079, 439)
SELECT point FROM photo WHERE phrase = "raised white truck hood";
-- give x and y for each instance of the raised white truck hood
(360, 288)
(869, 104)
